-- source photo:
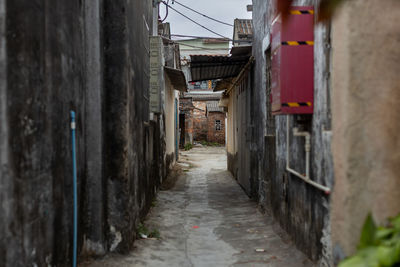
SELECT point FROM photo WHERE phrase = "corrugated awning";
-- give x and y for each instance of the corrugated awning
(177, 78)
(241, 50)
(206, 67)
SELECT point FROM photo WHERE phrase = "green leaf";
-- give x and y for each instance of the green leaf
(367, 257)
(355, 261)
(383, 233)
(387, 256)
(368, 233)
(396, 222)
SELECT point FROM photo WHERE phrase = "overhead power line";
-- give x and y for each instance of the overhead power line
(202, 14)
(203, 48)
(200, 37)
(249, 40)
(199, 47)
(195, 22)
(166, 12)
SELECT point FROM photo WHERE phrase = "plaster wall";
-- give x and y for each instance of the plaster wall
(231, 145)
(169, 112)
(366, 118)
(240, 134)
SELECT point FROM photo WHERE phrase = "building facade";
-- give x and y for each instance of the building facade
(198, 113)
(90, 57)
(279, 151)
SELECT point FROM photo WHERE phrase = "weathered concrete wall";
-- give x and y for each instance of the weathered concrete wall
(131, 181)
(366, 117)
(94, 239)
(300, 209)
(45, 80)
(6, 184)
(91, 57)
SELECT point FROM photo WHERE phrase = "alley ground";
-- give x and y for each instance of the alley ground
(205, 219)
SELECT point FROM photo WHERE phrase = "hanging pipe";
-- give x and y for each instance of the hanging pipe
(75, 193)
(305, 178)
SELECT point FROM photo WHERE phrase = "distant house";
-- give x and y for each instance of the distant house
(243, 32)
(199, 119)
(215, 122)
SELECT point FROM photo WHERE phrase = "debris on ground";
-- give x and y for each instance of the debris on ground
(145, 233)
(143, 236)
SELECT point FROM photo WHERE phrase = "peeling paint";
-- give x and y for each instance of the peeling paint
(117, 238)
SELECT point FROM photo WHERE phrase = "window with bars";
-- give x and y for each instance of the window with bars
(217, 125)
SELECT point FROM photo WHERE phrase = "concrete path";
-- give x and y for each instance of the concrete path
(206, 219)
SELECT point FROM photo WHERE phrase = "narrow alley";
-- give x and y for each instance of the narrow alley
(206, 219)
(199, 133)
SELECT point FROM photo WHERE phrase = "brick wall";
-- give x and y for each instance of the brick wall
(214, 135)
(199, 121)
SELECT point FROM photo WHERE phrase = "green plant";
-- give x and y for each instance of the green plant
(153, 203)
(206, 143)
(142, 230)
(154, 234)
(378, 247)
(188, 146)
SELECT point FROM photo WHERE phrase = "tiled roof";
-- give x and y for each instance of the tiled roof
(210, 96)
(244, 27)
(213, 106)
(177, 78)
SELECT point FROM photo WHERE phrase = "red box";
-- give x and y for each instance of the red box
(292, 77)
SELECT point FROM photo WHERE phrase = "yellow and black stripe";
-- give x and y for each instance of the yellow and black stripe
(301, 12)
(296, 104)
(293, 43)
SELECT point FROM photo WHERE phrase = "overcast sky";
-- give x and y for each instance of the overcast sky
(224, 10)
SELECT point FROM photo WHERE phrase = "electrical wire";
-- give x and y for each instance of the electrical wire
(195, 22)
(199, 47)
(166, 12)
(200, 37)
(202, 14)
(203, 48)
(204, 37)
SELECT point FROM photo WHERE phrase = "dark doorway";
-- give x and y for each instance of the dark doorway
(181, 130)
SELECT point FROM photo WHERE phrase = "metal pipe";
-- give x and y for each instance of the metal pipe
(327, 190)
(307, 145)
(75, 191)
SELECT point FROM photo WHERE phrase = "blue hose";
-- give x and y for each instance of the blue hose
(75, 239)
